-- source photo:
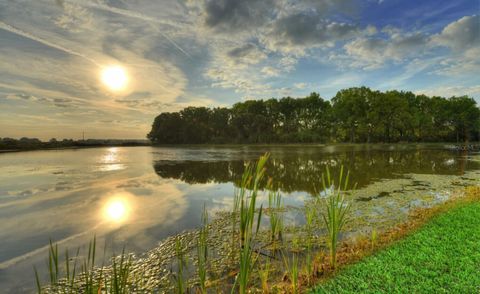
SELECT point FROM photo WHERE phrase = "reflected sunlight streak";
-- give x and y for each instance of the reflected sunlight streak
(111, 156)
(110, 161)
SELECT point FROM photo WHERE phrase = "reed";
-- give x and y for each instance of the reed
(247, 194)
(310, 214)
(179, 277)
(275, 205)
(202, 252)
(55, 273)
(91, 280)
(292, 268)
(121, 271)
(53, 268)
(92, 283)
(337, 208)
(264, 273)
(37, 281)
(234, 221)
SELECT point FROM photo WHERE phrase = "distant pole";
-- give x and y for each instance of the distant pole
(83, 136)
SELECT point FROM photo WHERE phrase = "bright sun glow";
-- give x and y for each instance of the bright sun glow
(115, 77)
(116, 210)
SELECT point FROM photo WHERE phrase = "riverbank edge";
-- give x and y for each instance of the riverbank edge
(354, 252)
(72, 148)
(448, 145)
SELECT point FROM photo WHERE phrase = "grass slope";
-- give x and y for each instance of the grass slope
(441, 257)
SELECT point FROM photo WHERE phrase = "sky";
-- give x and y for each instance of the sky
(178, 53)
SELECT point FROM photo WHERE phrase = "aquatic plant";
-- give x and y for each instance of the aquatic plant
(53, 263)
(68, 282)
(275, 205)
(336, 212)
(179, 278)
(117, 282)
(234, 221)
(53, 267)
(292, 268)
(310, 215)
(202, 252)
(263, 273)
(91, 283)
(247, 195)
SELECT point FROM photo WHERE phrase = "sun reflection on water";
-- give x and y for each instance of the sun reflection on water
(110, 161)
(117, 209)
(111, 156)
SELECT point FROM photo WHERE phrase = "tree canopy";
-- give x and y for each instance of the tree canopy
(353, 115)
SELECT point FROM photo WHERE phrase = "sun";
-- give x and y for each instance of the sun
(114, 77)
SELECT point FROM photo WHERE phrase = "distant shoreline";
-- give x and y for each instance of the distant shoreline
(451, 145)
(72, 147)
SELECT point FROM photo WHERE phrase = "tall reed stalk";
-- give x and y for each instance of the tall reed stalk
(234, 222)
(292, 266)
(310, 214)
(337, 208)
(247, 195)
(91, 280)
(202, 252)
(179, 277)
(121, 271)
(264, 273)
(275, 205)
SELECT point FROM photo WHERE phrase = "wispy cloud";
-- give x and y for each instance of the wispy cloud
(14, 30)
(137, 15)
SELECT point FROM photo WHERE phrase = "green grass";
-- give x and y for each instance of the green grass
(441, 257)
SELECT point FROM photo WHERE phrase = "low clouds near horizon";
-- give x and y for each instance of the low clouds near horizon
(218, 52)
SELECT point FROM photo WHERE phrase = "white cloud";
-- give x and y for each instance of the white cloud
(449, 91)
(461, 34)
(375, 52)
(463, 64)
(74, 19)
(300, 85)
(270, 71)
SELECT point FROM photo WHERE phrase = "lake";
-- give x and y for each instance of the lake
(138, 196)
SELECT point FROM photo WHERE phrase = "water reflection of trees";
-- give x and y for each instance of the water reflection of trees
(301, 171)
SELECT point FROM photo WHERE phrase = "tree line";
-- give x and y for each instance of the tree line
(354, 115)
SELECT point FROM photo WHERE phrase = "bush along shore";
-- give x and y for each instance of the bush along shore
(252, 250)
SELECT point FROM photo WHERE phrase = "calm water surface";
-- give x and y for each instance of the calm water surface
(137, 196)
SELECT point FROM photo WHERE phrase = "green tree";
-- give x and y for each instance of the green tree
(465, 117)
(167, 128)
(350, 110)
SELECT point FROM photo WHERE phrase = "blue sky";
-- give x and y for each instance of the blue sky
(218, 52)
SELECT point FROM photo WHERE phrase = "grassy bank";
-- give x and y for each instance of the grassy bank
(441, 257)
